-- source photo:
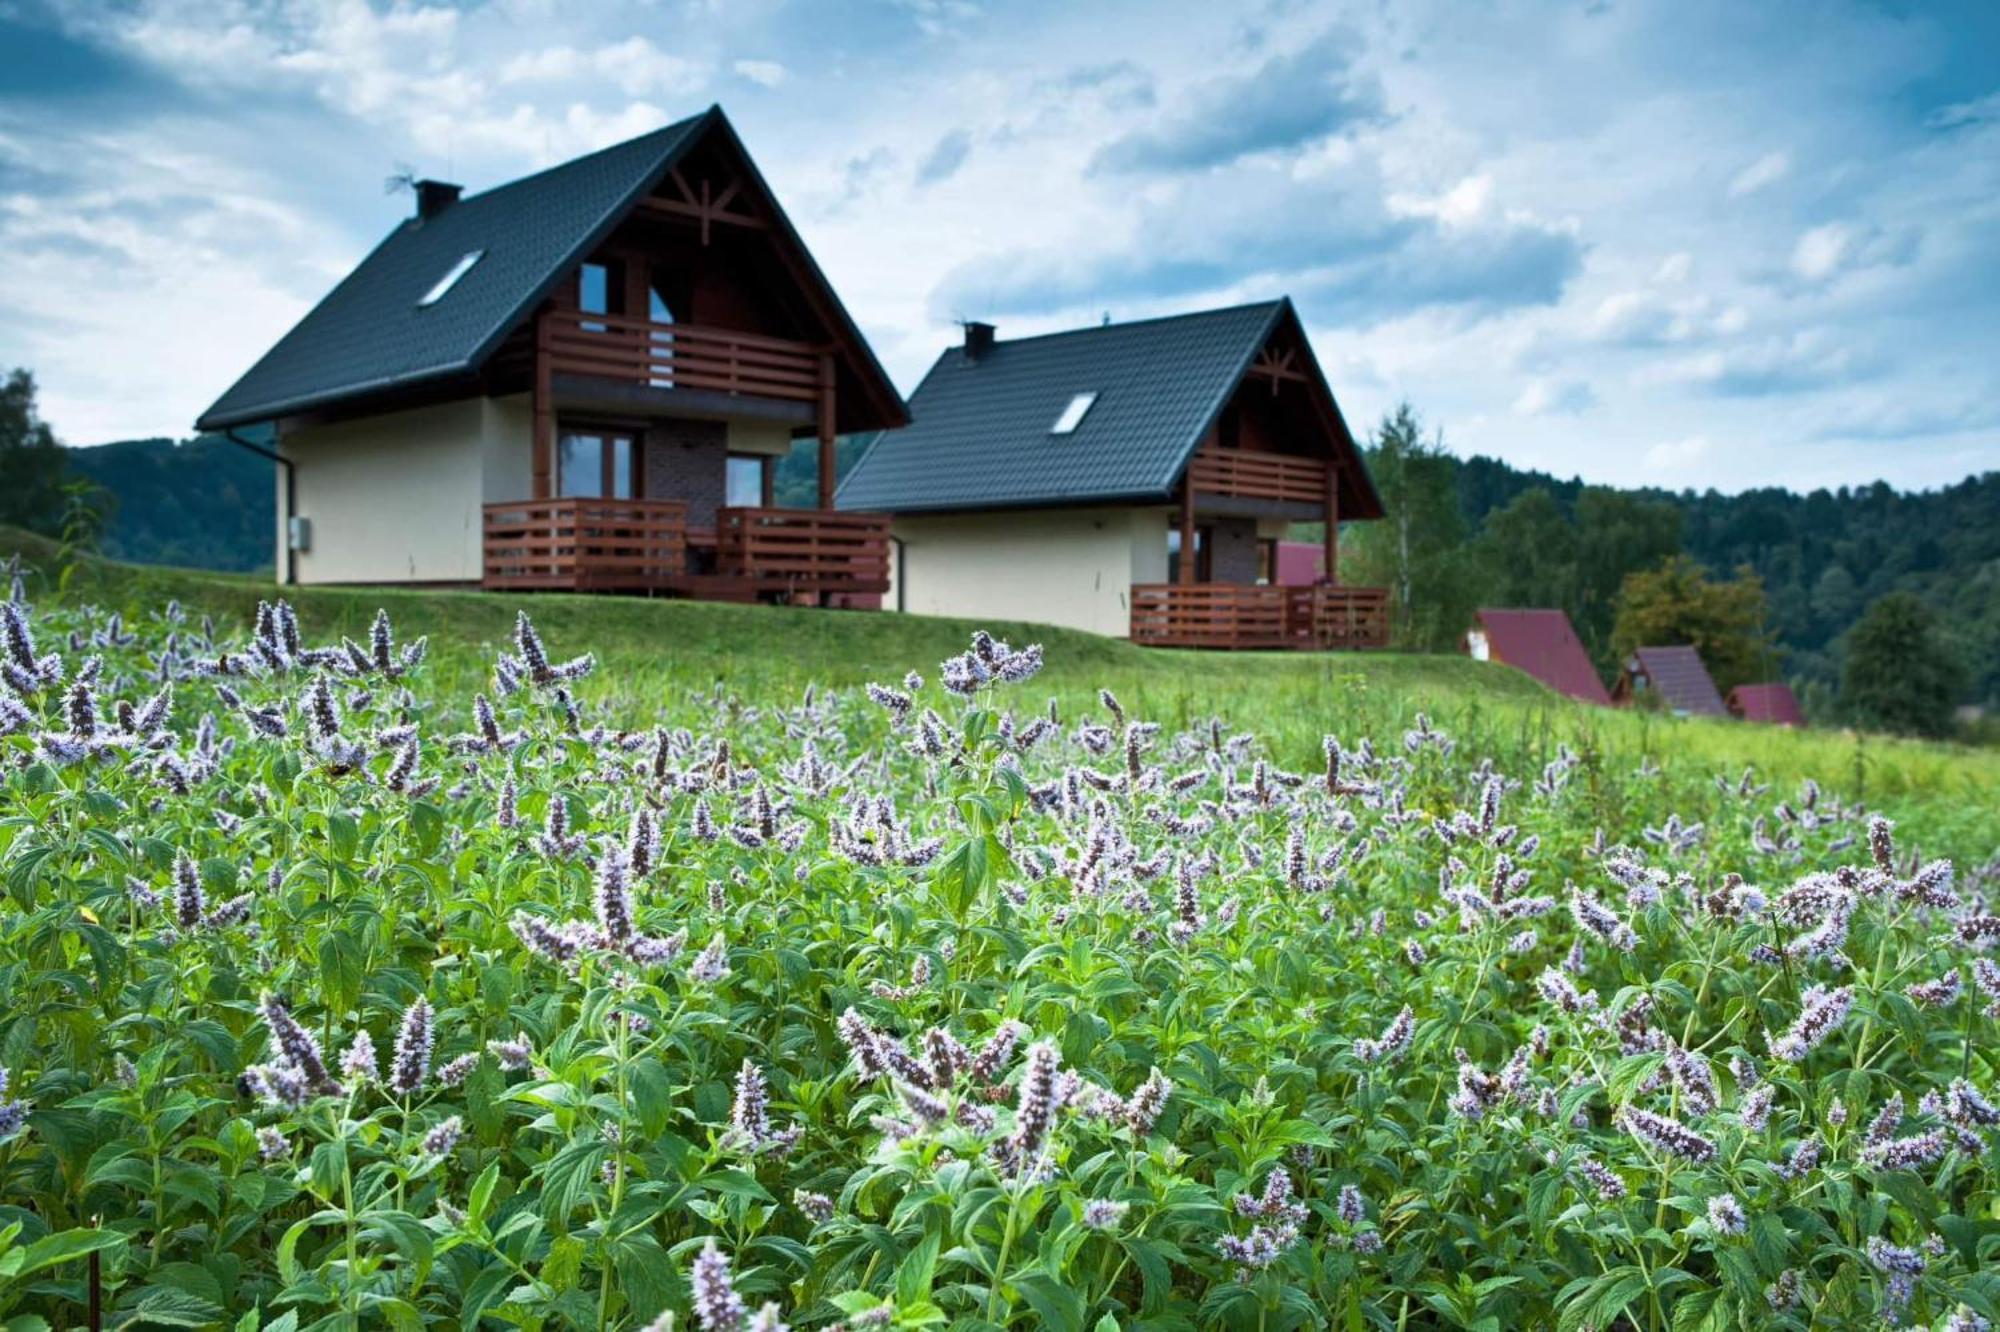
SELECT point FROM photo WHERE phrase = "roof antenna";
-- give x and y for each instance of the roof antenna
(403, 178)
(1106, 321)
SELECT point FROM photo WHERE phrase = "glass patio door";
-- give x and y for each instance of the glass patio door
(597, 464)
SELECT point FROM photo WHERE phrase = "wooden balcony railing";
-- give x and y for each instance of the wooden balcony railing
(1268, 476)
(680, 356)
(814, 549)
(585, 545)
(1238, 616)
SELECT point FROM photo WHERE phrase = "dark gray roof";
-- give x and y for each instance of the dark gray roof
(370, 334)
(1680, 677)
(979, 432)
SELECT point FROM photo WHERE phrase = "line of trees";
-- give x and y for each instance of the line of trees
(1633, 568)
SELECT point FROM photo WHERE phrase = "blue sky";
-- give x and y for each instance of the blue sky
(1679, 243)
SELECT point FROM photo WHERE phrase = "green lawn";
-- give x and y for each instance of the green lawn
(657, 654)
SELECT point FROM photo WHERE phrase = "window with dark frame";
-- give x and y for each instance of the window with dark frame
(743, 481)
(597, 463)
(1203, 542)
(600, 289)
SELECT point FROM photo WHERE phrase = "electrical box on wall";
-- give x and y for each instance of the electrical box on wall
(299, 533)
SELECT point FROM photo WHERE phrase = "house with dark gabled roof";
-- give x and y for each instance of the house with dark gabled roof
(579, 380)
(1541, 643)
(1131, 479)
(1673, 675)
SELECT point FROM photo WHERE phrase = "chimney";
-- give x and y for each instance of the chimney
(978, 339)
(434, 196)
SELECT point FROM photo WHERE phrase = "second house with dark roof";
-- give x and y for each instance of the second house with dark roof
(580, 380)
(1129, 479)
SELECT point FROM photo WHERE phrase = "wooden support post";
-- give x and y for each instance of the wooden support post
(1186, 571)
(826, 477)
(1332, 574)
(542, 405)
(638, 285)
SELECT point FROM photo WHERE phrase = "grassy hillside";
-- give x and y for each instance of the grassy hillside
(661, 654)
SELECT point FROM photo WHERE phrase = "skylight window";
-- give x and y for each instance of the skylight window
(450, 279)
(1072, 415)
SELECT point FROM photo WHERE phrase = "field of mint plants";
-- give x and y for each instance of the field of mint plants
(333, 1000)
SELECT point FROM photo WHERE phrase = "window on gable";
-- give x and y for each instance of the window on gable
(1072, 415)
(451, 277)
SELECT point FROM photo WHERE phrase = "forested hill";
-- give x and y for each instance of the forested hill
(204, 503)
(1823, 556)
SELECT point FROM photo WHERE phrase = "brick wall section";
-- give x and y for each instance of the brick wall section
(689, 460)
(1234, 559)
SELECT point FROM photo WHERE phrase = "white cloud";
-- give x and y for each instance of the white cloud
(1808, 359)
(1645, 318)
(1834, 249)
(634, 66)
(1677, 455)
(1819, 252)
(144, 363)
(1766, 170)
(1978, 111)
(1463, 203)
(641, 69)
(766, 73)
(1543, 397)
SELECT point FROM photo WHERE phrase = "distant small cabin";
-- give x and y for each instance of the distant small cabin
(1134, 479)
(1540, 643)
(1773, 703)
(1676, 676)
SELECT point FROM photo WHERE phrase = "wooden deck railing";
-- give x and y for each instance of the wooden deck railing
(813, 548)
(1245, 475)
(680, 356)
(1219, 615)
(1348, 617)
(1238, 616)
(585, 544)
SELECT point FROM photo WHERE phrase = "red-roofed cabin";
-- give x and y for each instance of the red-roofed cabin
(1540, 643)
(1774, 703)
(1300, 563)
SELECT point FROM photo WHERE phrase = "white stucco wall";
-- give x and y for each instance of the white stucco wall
(396, 498)
(1072, 567)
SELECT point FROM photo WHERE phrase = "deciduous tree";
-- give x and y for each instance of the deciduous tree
(33, 467)
(1678, 603)
(1419, 551)
(1899, 672)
